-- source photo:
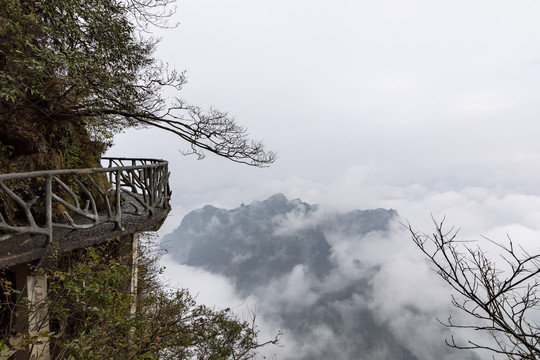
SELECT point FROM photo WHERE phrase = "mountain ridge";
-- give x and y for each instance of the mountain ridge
(284, 252)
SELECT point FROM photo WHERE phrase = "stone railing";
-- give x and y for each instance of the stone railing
(37, 203)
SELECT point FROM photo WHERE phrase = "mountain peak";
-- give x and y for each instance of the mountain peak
(258, 242)
(307, 268)
(277, 198)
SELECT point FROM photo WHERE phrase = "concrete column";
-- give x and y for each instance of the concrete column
(134, 271)
(38, 319)
(34, 319)
(129, 249)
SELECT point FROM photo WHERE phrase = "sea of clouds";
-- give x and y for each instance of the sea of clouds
(408, 297)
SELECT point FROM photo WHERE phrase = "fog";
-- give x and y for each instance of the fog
(407, 296)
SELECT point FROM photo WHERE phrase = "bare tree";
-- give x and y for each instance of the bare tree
(499, 294)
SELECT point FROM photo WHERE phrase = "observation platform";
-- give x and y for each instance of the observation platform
(45, 213)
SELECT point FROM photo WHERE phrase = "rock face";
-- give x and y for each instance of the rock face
(284, 252)
(247, 244)
(242, 244)
(32, 141)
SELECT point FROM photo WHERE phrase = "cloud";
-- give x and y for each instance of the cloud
(428, 93)
(407, 296)
(218, 292)
(210, 289)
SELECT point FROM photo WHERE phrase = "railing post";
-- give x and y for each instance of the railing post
(168, 192)
(118, 201)
(152, 183)
(48, 208)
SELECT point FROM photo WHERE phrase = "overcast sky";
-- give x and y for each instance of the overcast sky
(427, 107)
(441, 94)
(423, 106)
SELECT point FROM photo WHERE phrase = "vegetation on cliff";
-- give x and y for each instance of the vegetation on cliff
(75, 72)
(94, 315)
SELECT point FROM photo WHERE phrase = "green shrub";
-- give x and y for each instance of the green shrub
(93, 314)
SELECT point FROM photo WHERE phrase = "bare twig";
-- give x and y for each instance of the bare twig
(502, 302)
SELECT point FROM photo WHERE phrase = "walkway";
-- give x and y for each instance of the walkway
(46, 212)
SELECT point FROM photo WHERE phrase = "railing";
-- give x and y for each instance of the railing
(38, 202)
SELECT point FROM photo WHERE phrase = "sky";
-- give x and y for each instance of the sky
(441, 94)
(427, 107)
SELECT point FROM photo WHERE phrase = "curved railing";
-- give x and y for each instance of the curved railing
(38, 202)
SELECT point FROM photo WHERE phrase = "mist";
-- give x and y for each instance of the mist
(405, 295)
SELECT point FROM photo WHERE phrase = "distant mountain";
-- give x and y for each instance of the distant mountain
(284, 252)
(242, 243)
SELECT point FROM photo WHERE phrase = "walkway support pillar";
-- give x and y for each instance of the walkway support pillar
(31, 317)
(38, 318)
(134, 271)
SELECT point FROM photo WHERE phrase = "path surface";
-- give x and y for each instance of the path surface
(26, 248)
